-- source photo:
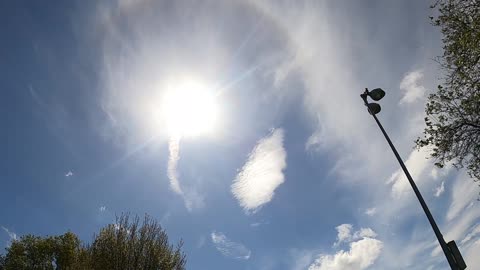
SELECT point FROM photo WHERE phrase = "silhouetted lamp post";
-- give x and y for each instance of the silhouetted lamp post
(450, 249)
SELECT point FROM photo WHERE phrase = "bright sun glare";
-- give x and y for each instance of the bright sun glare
(190, 109)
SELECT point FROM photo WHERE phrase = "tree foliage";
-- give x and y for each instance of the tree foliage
(453, 111)
(34, 252)
(127, 244)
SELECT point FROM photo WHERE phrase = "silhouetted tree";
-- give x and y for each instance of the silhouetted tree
(453, 111)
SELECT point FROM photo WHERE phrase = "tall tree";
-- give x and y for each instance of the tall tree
(453, 111)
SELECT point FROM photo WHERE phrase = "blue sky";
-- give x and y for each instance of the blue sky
(294, 174)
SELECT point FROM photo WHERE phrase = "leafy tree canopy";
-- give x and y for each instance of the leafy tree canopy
(453, 111)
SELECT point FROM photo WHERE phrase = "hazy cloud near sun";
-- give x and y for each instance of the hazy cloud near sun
(256, 182)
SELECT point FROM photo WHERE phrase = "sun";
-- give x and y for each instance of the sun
(190, 109)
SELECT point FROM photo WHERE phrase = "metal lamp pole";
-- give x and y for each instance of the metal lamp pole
(450, 250)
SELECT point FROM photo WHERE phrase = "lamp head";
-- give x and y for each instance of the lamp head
(374, 108)
(376, 94)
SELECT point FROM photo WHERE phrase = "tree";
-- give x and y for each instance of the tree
(123, 245)
(453, 111)
(2, 262)
(34, 252)
(126, 245)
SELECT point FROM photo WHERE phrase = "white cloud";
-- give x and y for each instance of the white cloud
(410, 84)
(12, 236)
(344, 233)
(416, 163)
(174, 149)
(471, 255)
(362, 253)
(255, 184)
(471, 235)
(256, 224)
(371, 211)
(229, 248)
(464, 192)
(440, 189)
(69, 173)
(364, 232)
(191, 198)
(315, 142)
(102, 208)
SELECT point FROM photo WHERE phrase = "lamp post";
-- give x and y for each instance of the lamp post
(450, 249)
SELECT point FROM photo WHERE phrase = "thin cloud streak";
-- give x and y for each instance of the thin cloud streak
(256, 182)
(174, 149)
(416, 163)
(191, 198)
(371, 211)
(11, 235)
(440, 189)
(229, 248)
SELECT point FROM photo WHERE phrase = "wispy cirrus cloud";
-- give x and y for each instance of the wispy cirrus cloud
(440, 189)
(462, 219)
(191, 198)
(416, 163)
(174, 150)
(256, 182)
(12, 235)
(229, 248)
(364, 250)
(371, 211)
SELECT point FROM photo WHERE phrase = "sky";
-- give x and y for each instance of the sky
(292, 173)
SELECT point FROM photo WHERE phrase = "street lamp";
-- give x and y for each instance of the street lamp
(450, 249)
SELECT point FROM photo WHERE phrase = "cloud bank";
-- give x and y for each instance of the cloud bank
(255, 184)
